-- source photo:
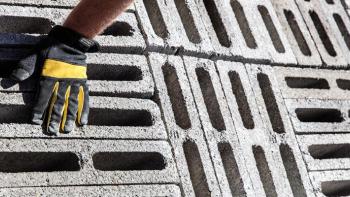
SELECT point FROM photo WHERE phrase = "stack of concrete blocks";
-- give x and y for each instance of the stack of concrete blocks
(189, 98)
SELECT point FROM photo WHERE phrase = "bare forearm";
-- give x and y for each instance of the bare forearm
(91, 17)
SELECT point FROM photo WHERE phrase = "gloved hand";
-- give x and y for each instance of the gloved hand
(63, 96)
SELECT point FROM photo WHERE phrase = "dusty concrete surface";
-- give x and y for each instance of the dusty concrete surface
(189, 98)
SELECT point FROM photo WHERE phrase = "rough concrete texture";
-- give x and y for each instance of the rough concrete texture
(297, 33)
(262, 160)
(326, 151)
(189, 98)
(339, 21)
(279, 128)
(183, 124)
(96, 191)
(305, 83)
(218, 127)
(322, 33)
(331, 183)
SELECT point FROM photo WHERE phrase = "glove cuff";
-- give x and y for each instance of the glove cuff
(74, 39)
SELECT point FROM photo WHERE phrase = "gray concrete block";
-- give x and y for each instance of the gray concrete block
(218, 128)
(55, 162)
(124, 36)
(266, 30)
(297, 33)
(95, 191)
(313, 83)
(331, 183)
(109, 75)
(262, 160)
(174, 95)
(110, 118)
(173, 27)
(321, 32)
(339, 21)
(279, 128)
(326, 151)
(319, 116)
(226, 37)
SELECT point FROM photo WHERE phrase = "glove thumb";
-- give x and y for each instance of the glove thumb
(25, 68)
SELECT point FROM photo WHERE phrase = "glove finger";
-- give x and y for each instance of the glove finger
(25, 68)
(70, 111)
(47, 90)
(56, 109)
(83, 105)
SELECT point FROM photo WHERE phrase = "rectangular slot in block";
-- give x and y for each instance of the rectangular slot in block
(331, 183)
(128, 161)
(24, 162)
(336, 188)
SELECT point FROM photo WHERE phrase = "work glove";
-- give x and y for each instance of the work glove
(62, 100)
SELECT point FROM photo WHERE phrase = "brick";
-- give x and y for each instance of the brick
(326, 151)
(318, 116)
(108, 191)
(279, 128)
(174, 95)
(33, 162)
(218, 128)
(263, 162)
(32, 20)
(110, 118)
(109, 74)
(321, 32)
(331, 183)
(173, 27)
(313, 83)
(339, 21)
(297, 33)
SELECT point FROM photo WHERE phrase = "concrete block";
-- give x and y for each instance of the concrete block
(109, 75)
(55, 162)
(297, 33)
(263, 162)
(313, 83)
(339, 21)
(326, 151)
(321, 31)
(224, 31)
(279, 128)
(173, 27)
(331, 183)
(95, 191)
(218, 128)
(319, 116)
(110, 118)
(174, 95)
(265, 28)
(123, 36)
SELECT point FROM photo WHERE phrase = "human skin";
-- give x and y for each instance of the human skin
(92, 17)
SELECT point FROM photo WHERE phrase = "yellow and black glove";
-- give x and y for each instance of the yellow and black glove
(63, 96)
